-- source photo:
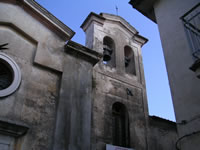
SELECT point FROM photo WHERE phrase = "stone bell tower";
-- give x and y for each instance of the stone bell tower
(119, 105)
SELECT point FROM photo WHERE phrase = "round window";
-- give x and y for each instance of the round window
(10, 75)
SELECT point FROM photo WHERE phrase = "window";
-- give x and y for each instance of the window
(10, 75)
(129, 60)
(108, 51)
(120, 125)
(6, 142)
(10, 132)
(6, 75)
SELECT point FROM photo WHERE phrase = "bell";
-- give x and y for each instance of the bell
(106, 55)
(127, 60)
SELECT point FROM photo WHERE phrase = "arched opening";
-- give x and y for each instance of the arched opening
(120, 125)
(129, 60)
(108, 51)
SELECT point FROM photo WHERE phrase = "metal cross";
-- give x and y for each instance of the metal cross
(116, 10)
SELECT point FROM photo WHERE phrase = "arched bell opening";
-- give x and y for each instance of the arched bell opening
(129, 60)
(108, 51)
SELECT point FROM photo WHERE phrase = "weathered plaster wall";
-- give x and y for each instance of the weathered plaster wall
(35, 101)
(73, 126)
(107, 91)
(162, 134)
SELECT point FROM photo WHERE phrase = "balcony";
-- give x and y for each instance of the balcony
(191, 22)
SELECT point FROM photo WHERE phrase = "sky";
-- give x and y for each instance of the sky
(74, 12)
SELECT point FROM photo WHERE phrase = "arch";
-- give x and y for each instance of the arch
(109, 51)
(120, 125)
(129, 60)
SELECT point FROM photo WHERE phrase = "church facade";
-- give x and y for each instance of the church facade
(58, 95)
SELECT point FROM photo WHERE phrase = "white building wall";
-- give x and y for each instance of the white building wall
(185, 86)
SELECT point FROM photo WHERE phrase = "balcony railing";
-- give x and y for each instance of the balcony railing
(191, 21)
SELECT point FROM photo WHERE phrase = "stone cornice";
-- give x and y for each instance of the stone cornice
(140, 39)
(120, 20)
(82, 52)
(103, 17)
(92, 17)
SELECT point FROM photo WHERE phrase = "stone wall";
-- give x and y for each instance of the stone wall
(162, 134)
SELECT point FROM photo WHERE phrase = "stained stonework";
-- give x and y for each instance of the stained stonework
(105, 95)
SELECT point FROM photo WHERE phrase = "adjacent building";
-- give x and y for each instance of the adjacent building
(179, 26)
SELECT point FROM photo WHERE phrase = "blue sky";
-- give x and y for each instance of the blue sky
(73, 13)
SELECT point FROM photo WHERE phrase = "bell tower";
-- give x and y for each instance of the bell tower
(119, 105)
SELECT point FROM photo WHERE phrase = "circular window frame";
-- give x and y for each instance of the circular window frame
(16, 75)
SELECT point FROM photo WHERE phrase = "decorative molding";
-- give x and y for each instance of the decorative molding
(45, 17)
(12, 128)
(90, 18)
(19, 31)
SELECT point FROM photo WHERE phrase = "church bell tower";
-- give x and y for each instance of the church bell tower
(119, 103)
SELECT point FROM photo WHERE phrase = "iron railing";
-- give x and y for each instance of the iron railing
(191, 21)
